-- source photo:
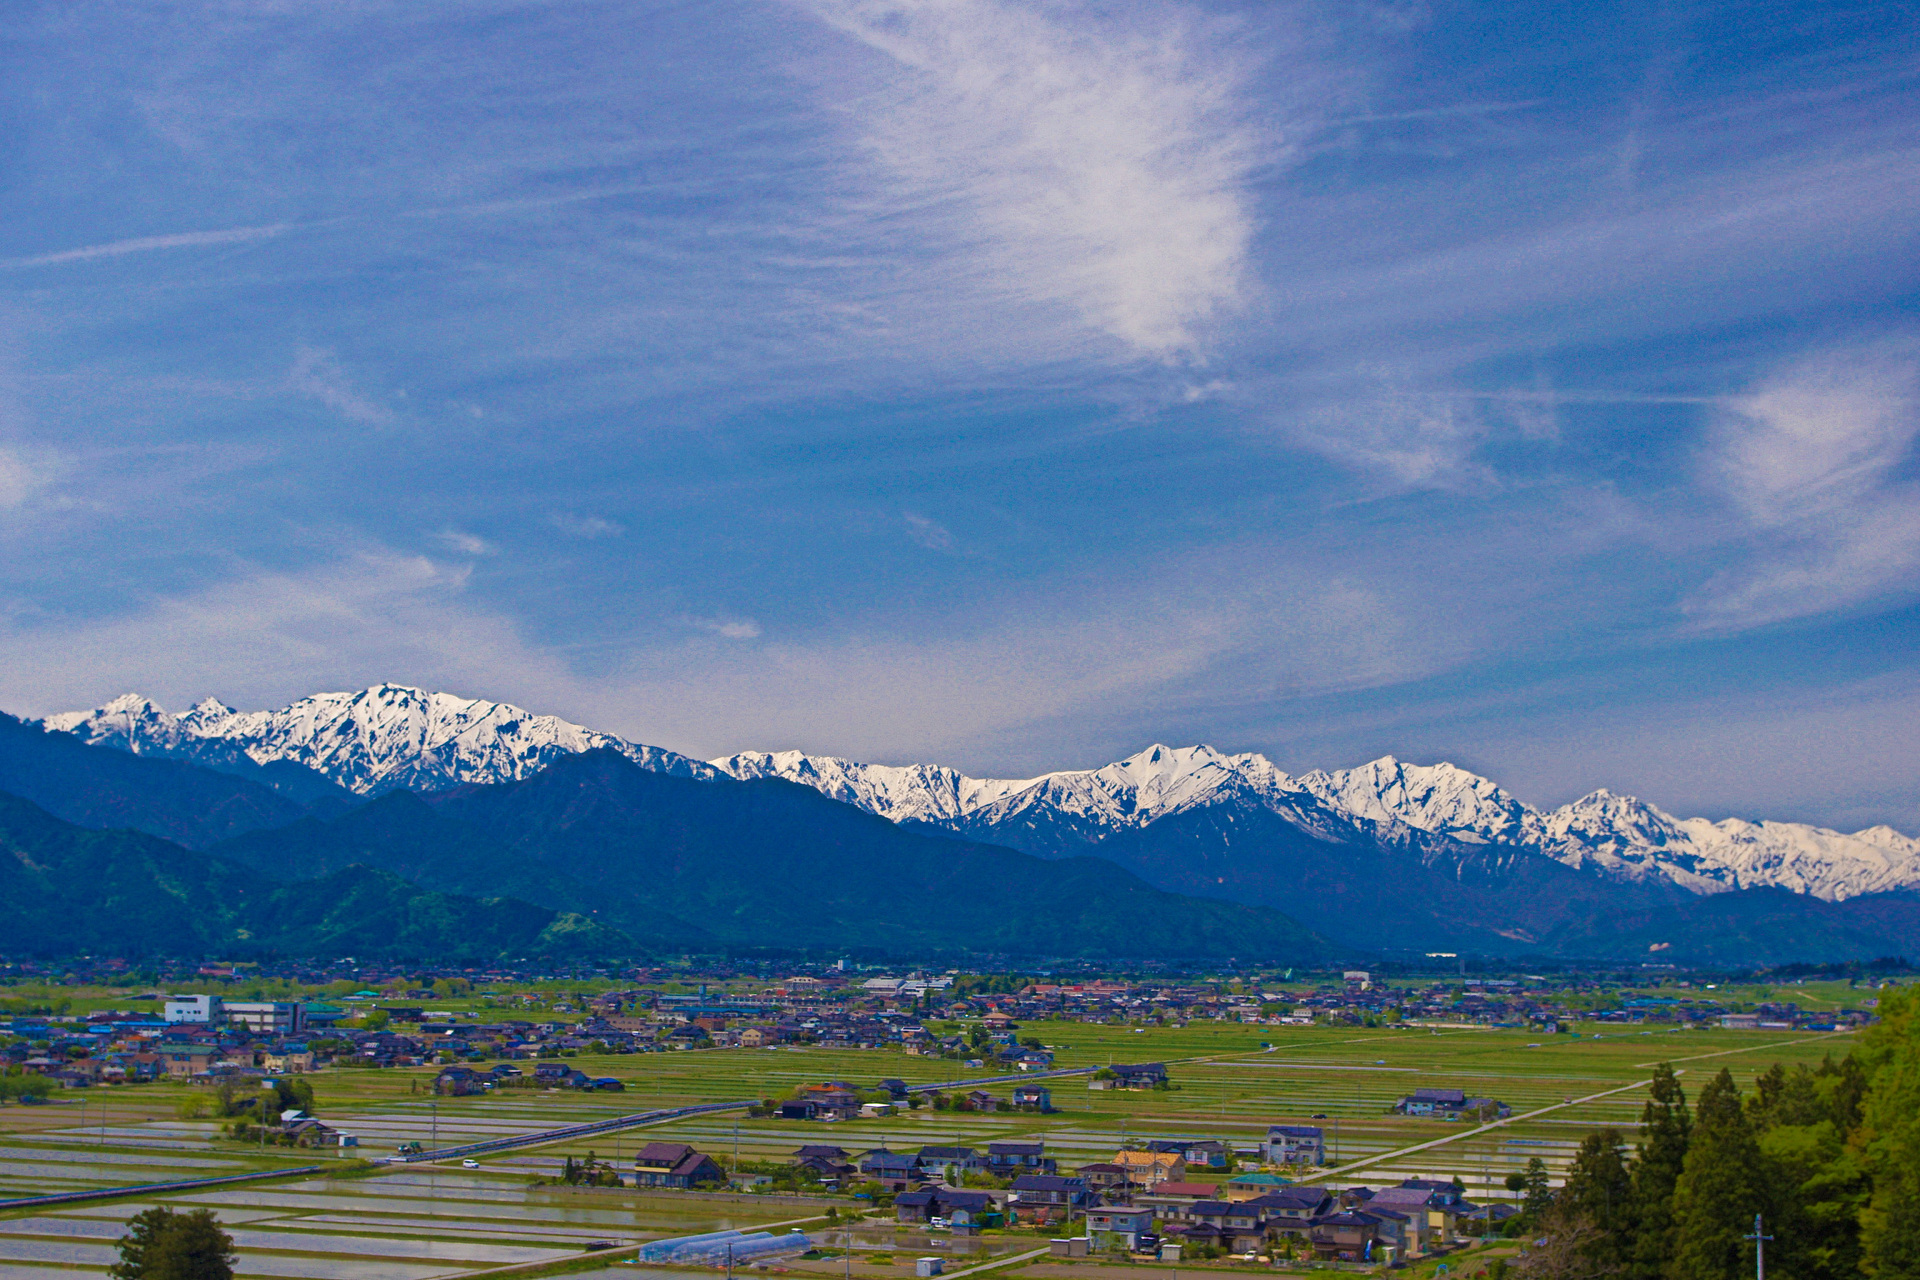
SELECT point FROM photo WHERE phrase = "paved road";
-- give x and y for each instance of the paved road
(149, 1188)
(570, 1131)
(1351, 1165)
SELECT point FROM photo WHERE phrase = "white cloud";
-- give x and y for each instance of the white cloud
(467, 544)
(977, 681)
(929, 533)
(1812, 462)
(1408, 440)
(585, 526)
(264, 636)
(317, 374)
(1075, 162)
(19, 479)
(727, 628)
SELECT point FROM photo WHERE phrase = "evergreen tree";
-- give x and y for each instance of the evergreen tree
(1889, 1136)
(1539, 1195)
(163, 1245)
(1665, 1127)
(1723, 1183)
(1598, 1196)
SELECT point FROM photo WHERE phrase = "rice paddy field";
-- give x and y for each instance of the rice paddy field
(357, 1220)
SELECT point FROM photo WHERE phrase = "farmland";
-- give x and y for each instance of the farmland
(420, 1221)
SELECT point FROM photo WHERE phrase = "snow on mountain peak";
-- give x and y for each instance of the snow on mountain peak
(392, 735)
(368, 740)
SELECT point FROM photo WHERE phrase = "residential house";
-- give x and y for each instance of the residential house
(1041, 1197)
(1293, 1209)
(1107, 1178)
(1170, 1199)
(1251, 1186)
(1296, 1144)
(966, 1211)
(460, 1082)
(1112, 1227)
(1397, 1235)
(948, 1163)
(675, 1164)
(308, 1132)
(829, 1164)
(1346, 1236)
(1144, 1075)
(1019, 1157)
(1438, 1204)
(1230, 1225)
(822, 1102)
(1032, 1097)
(980, 1100)
(290, 1060)
(184, 1060)
(894, 1170)
(1450, 1104)
(1205, 1153)
(1151, 1168)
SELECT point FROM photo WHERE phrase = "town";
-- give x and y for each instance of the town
(1203, 1119)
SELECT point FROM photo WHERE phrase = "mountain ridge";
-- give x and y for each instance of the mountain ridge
(393, 736)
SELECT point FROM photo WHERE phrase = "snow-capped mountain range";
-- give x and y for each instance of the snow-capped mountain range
(391, 736)
(375, 740)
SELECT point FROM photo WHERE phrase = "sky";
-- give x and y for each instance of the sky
(1004, 385)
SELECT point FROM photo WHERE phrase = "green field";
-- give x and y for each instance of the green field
(420, 1221)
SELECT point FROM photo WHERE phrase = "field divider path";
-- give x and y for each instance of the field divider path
(618, 1254)
(1014, 1261)
(151, 1188)
(544, 1136)
(1752, 1048)
(640, 1118)
(1468, 1133)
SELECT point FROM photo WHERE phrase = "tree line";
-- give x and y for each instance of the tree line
(1827, 1157)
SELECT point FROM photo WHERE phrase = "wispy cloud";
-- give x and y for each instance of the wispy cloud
(928, 532)
(1812, 461)
(261, 636)
(1077, 163)
(1403, 439)
(467, 544)
(727, 628)
(579, 526)
(20, 479)
(317, 374)
(149, 244)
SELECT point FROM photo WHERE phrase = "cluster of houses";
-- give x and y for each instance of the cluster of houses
(1142, 1199)
(1252, 1214)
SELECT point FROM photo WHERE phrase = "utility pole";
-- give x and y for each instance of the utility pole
(1759, 1250)
(433, 1109)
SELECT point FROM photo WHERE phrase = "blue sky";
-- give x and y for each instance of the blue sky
(1002, 384)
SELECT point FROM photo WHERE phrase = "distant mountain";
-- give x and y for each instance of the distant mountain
(1432, 811)
(375, 740)
(166, 798)
(594, 846)
(1384, 854)
(67, 889)
(672, 860)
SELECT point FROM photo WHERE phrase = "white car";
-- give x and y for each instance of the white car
(469, 1164)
